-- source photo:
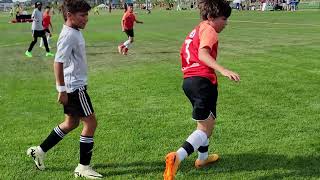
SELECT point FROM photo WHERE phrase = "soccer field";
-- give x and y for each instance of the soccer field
(268, 124)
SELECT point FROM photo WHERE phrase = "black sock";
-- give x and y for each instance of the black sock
(86, 147)
(54, 137)
(188, 147)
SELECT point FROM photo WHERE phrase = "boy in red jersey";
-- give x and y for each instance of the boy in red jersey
(46, 22)
(198, 56)
(127, 24)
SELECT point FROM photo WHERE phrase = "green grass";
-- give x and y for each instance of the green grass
(268, 124)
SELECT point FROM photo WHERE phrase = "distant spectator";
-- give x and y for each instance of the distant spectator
(263, 5)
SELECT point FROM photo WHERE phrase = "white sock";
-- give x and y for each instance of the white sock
(182, 153)
(196, 139)
(48, 40)
(41, 42)
(203, 155)
(127, 44)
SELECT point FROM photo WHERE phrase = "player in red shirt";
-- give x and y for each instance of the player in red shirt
(198, 56)
(127, 24)
(46, 22)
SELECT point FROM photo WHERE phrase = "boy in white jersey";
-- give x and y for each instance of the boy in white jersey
(70, 69)
(37, 30)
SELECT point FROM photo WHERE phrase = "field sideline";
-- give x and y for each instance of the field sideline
(268, 124)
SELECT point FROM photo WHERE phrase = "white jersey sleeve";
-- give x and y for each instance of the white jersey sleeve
(64, 48)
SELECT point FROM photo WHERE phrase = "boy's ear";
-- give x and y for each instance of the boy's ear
(210, 18)
(68, 14)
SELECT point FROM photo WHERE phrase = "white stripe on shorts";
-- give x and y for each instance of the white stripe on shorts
(84, 103)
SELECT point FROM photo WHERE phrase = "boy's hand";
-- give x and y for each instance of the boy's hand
(63, 98)
(231, 75)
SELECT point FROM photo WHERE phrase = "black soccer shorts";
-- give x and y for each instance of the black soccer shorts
(79, 103)
(203, 96)
(129, 32)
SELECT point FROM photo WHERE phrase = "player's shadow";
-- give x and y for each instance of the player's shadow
(101, 53)
(133, 168)
(162, 52)
(292, 167)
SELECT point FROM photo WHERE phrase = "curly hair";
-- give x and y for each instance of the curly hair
(74, 6)
(214, 8)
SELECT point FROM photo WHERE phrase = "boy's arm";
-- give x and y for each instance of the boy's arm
(51, 28)
(33, 15)
(138, 21)
(205, 57)
(58, 72)
(122, 24)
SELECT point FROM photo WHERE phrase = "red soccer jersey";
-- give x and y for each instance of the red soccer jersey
(128, 20)
(46, 19)
(202, 36)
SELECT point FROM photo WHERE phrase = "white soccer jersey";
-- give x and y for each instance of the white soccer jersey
(71, 52)
(37, 20)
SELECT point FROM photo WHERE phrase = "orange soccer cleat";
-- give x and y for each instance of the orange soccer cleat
(172, 165)
(202, 163)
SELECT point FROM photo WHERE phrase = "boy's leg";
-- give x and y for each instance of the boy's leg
(48, 39)
(56, 135)
(86, 139)
(44, 38)
(173, 159)
(41, 43)
(203, 156)
(86, 148)
(203, 101)
(127, 45)
(35, 37)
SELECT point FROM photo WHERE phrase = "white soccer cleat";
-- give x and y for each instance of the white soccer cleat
(37, 155)
(87, 172)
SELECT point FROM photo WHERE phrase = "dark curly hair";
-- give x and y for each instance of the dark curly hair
(74, 6)
(214, 8)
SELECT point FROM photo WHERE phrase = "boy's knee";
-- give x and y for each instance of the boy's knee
(90, 122)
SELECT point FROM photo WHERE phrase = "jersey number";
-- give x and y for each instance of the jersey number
(188, 42)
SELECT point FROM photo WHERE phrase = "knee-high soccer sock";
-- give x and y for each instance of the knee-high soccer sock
(48, 40)
(127, 44)
(194, 141)
(54, 137)
(203, 150)
(86, 147)
(41, 43)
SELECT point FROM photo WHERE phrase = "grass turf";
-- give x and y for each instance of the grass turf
(268, 124)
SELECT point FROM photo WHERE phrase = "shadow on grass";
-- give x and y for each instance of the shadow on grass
(162, 52)
(101, 53)
(116, 52)
(299, 166)
(133, 168)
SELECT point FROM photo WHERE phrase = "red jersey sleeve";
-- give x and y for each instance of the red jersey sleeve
(208, 36)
